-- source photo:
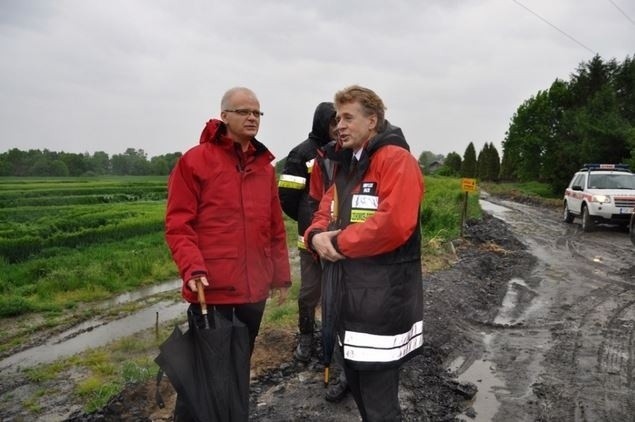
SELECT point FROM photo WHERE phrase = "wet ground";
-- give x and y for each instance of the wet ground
(535, 321)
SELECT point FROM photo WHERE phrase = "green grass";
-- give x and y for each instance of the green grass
(58, 254)
(443, 207)
(536, 192)
(106, 370)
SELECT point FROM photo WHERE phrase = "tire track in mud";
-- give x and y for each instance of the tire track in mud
(615, 359)
(587, 370)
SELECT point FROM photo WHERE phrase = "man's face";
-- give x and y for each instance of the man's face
(353, 127)
(241, 127)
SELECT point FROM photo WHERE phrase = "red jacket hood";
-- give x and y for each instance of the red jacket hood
(212, 130)
(216, 130)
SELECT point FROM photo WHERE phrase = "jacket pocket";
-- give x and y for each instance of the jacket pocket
(222, 271)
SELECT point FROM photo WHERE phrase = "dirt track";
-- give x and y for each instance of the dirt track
(566, 348)
(535, 321)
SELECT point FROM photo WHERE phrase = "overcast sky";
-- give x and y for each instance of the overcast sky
(92, 75)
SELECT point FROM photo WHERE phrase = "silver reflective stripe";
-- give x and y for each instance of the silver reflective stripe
(368, 202)
(364, 347)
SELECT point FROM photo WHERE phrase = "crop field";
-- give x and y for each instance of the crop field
(69, 240)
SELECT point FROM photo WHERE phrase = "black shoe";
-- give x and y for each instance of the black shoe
(336, 390)
(304, 348)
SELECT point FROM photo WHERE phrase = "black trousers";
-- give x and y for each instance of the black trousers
(310, 291)
(249, 314)
(376, 393)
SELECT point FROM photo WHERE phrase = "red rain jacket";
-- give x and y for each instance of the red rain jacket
(224, 220)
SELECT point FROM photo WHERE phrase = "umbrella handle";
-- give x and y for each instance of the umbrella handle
(326, 375)
(201, 301)
(201, 296)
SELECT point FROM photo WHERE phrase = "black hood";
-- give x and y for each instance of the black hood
(322, 118)
(389, 135)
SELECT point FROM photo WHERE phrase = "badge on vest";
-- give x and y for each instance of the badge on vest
(364, 204)
(368, 188)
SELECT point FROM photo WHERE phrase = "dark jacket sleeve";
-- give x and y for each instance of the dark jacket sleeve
(293, 182)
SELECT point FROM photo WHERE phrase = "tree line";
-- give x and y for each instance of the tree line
(485, 166)
(133, 162)
(590, 118)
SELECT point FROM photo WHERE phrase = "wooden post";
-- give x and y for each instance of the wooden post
(464, 213)
(467, 185)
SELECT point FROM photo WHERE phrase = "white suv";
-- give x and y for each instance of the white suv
(600, 193)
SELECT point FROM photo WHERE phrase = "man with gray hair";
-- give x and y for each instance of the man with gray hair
(369, 222)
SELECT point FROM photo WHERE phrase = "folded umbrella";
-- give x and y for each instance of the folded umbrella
(331, 309)
(208, 366)
(332, 292)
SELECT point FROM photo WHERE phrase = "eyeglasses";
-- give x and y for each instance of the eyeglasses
(245, 112)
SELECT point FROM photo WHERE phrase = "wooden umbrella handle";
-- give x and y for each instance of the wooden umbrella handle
(201, 296)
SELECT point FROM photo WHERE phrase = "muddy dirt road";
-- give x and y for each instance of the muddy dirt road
(552, 339)
(563, 344)
(534, 321)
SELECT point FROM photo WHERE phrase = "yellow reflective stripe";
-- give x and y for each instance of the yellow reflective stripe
(359, 216)
(291, 182)
(363, 206)
(301, 244)
(363, 347)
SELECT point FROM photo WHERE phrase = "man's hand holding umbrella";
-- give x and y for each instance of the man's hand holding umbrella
(193, 283)
(323, 244)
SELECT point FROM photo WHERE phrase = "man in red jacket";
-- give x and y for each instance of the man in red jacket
(224, 223)
(369, 221)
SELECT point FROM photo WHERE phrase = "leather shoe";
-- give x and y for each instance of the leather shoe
(336, 390)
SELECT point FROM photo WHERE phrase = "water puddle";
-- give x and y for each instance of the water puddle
(482, 373)
(497, 211)
(96, 333)
(510, 311)
(142, 293)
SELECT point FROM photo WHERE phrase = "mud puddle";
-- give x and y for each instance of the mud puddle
(482, 371)
(98, 332)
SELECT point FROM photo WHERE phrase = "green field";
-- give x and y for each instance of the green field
(70, 240)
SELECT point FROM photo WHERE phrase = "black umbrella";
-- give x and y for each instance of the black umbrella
(331, 297)
(208, 366)
(331, 308)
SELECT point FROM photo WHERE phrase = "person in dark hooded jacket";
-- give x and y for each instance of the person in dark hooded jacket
(304, 160)
(369, 222)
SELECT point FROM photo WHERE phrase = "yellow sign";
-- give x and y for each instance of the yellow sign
(468, 185)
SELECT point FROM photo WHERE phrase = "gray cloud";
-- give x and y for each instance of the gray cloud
(87, 75)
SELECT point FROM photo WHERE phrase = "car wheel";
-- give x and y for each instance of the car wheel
(567, 217)
(587, 222)
(632, 228)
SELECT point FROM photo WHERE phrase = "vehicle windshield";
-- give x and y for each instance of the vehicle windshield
(612, 181)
